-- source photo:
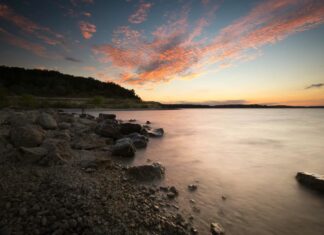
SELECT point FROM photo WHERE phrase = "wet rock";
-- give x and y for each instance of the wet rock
(88, 142)
(105, 116)
(192, 187)
(171, 195)
(32, 155)
(159, 132)
(174, 190)
(123, 147)
(216, 229)
(147, 172)
(132, 120)
(47, 121)
(128, 128)
(148, 122)
(108, 128)
(311, 180)
(26, 136)
(139, 141)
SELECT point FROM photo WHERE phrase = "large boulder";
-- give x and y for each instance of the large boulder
(88, 142)
(313, 181)
(128, 128)
(139, 141)
(159, 132)
(47, 121)
(26, 136)
(123, 147)
(147, 172)
(108, 128)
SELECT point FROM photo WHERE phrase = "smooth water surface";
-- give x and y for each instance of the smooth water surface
(250, 156)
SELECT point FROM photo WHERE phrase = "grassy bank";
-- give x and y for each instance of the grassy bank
(33, 102)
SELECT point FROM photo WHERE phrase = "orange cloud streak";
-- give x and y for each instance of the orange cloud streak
(175, 51)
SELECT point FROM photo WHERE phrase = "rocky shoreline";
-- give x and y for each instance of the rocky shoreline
(58, 175)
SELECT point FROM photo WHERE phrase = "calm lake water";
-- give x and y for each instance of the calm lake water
(250, 156)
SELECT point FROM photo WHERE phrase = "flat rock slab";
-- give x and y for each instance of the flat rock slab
(311, 180)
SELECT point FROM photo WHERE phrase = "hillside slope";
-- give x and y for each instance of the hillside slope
(45, 83)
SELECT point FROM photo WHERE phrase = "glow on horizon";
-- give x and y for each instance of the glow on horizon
(200, 51)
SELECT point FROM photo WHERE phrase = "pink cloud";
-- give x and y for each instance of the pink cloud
(177, 50)
(87, 29)
(43, 33)
(24, 44)
(140, 14)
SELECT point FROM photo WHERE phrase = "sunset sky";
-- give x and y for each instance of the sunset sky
(203, 51)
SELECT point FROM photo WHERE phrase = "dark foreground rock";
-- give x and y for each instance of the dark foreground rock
(147, 172)
(311, 180)
(64, 181)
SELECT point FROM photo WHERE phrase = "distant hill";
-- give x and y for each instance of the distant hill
(231, 106)
(45, 83)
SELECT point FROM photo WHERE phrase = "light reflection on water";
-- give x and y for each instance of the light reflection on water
(250, 156)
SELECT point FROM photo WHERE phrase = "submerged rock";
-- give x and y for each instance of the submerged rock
(47, 121)
(124, 147)
(159, 132)
(147, 172)
(128, 128)
(108, 128)
(216, 229)
(313, 181)
(26, 136)
(192, 187)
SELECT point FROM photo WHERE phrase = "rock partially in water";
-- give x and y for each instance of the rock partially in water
(311, 180)
(147, 172)
(192, 187)
(26, 136)
(105, 116)
(216, 229)
(124, 147)
(128, 128)
(47, 121)
(159, 132)
(139, 141)
(108, 128)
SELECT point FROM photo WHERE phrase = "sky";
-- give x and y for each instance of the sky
(176, 51)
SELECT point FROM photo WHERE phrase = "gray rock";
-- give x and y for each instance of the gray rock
(159, 132)
(108, 128)
(124, 147)
(216, 229)
(59, 151)
(47, 121)
(26, 136)
(88, 142)
(128, 128)
(139, 141)
(32, 155)
(147, 172)
(311, 180)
